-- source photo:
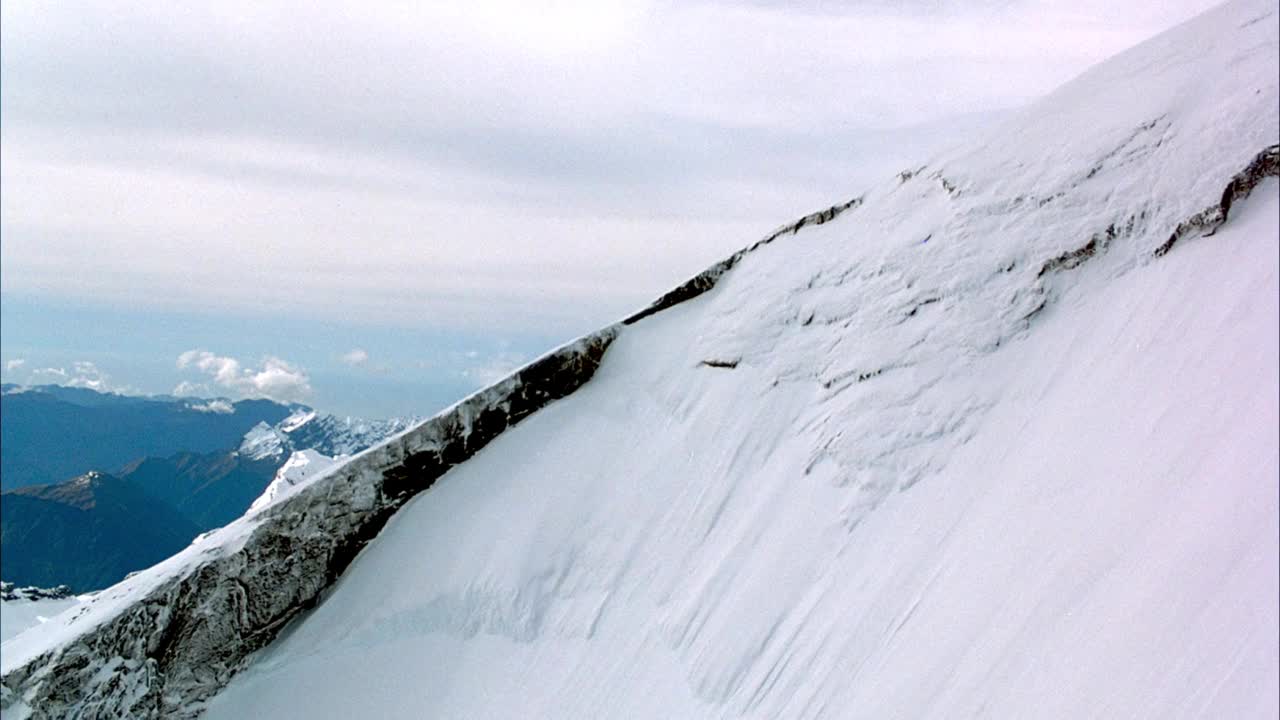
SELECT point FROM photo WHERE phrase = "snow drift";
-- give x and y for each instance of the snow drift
(997, 438)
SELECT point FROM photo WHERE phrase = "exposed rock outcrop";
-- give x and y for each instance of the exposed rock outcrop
(1266, 164)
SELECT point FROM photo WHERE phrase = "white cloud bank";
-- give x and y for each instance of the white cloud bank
(275, 379)
(218, 407)
(14, 364)
(83, 374)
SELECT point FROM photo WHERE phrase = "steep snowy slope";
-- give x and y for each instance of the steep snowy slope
(997, 438)
(907, 464)
(302, 467)
(1104, 545)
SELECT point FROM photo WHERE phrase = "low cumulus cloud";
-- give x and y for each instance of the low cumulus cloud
(356, 357)
(14, 364)
(49, 375)
(219, 407)
(87, 375)
(83, 374)
(274, 378)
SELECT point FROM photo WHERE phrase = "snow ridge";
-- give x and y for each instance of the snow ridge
(329, 435)
(705, 280)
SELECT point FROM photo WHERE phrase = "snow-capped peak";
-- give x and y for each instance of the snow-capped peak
(302, 467)
(328, 434)
(263, 441)
(297, 419)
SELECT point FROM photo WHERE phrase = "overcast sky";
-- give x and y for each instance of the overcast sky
(377, 208)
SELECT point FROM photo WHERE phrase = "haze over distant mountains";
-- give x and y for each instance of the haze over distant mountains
(99, 485)
(87, 532)
(52, 433)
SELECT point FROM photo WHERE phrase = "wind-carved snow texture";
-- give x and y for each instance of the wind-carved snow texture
(716, 524)
(705, 280)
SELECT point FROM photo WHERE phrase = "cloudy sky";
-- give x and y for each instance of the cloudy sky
(375, 209)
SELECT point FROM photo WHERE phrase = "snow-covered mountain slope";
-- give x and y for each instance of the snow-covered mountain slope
(1101, 544)
(996, 439)
(302, 467)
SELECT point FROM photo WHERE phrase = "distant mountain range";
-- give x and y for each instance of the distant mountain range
(51, 433)
(99, 485)
(87, 533)
(208, 489)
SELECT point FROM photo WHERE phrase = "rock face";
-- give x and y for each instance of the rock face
(173, 635)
